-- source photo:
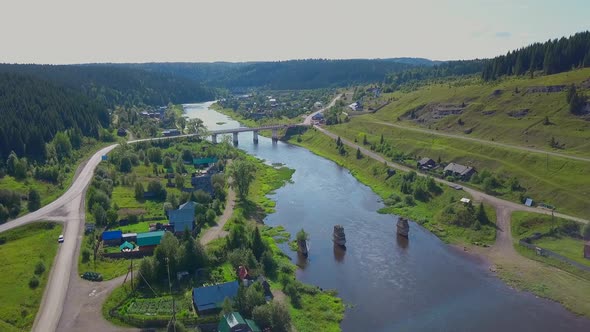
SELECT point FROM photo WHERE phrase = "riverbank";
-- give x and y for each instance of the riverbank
(511, 263)
(430, 212)
(311, 309)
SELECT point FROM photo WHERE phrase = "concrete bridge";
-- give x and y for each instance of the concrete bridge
(236, 131)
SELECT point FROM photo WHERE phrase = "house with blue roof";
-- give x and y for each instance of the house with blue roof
(112, 238)
(208, 299)
(183, 218)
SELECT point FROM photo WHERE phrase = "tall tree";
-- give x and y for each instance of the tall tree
(242, 173)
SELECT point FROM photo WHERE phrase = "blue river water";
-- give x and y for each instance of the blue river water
(387, 283)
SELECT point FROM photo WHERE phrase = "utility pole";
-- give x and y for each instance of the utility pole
(131, 275)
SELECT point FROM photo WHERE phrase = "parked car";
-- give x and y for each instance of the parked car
(60, 239)
(92, 276)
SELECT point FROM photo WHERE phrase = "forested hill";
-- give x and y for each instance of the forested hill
(117, 85)
(551, 57)
(32, 111)
(286, 75)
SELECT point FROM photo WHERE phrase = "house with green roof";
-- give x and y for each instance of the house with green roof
(148, 241)
(234, 322)
(204, 162)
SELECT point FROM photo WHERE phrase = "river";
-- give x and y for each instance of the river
(388, 284)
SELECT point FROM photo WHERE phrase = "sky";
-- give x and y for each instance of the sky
(82, 31)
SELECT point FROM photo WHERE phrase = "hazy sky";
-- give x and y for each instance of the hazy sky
(80, 31)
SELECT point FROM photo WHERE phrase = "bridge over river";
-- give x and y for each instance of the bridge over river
(236, 131)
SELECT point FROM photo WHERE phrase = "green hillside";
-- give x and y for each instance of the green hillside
(512, 110)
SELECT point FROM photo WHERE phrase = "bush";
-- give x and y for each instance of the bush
(39, 268)
(33, 282)
(85, 255)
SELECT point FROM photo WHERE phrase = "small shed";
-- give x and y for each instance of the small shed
(234, 322)
(426, 163)
(528, 202)
(129, 237)
(587, 250)
(465, 200)
(112, 238)
(126, 246)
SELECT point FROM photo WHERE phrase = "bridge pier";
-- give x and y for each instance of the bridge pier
(275, 134)
(235, 138)
(214, 138)
(255, 136)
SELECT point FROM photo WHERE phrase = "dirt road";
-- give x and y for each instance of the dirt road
(477, 195)
(309, 118)
(483, 141)
(217, 231)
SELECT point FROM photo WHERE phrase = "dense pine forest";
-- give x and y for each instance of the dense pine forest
(114, 85)
(287, 75)
(445, 69)
(551, 57)
(33, 111)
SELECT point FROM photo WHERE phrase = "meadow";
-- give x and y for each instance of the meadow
(26, 254)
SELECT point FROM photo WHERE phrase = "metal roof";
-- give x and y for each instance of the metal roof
(149, 238)
(112, 235)
(202, 161)
(211, 297)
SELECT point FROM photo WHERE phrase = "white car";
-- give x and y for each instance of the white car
(60, 239)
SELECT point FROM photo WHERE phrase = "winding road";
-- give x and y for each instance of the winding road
(57, 314)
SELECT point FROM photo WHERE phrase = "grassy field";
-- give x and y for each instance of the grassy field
(373, 174)
(486, 108)
(556, 181)
(555, 235)
(544, 276)
(25, 247)
(109, 268)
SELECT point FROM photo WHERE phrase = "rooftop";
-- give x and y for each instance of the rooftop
(211, 297)
(149, 238)
(112, 235)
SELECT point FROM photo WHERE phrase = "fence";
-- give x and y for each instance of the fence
(206, 323)
(549, 253)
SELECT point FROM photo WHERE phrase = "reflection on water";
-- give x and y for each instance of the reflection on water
(402, 241)
(390, 283)
(339, 253)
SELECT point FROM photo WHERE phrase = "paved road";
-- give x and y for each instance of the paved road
(483, 141)
(308, 119)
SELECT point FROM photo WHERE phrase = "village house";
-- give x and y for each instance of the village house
(356, 106)
(150, 240)
(460, 171)
(183, 218)
(204, 162)
(234, 322)
(112, 238)
(170, 132)
(208, 299)
(426, 163)
(587, 250)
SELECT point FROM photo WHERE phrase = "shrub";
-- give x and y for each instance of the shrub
(33, 282)
(85, 255)
(39, 268)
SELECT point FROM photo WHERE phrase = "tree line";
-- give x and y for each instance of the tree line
(115, 85)
(550, 57)
(33, 111)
